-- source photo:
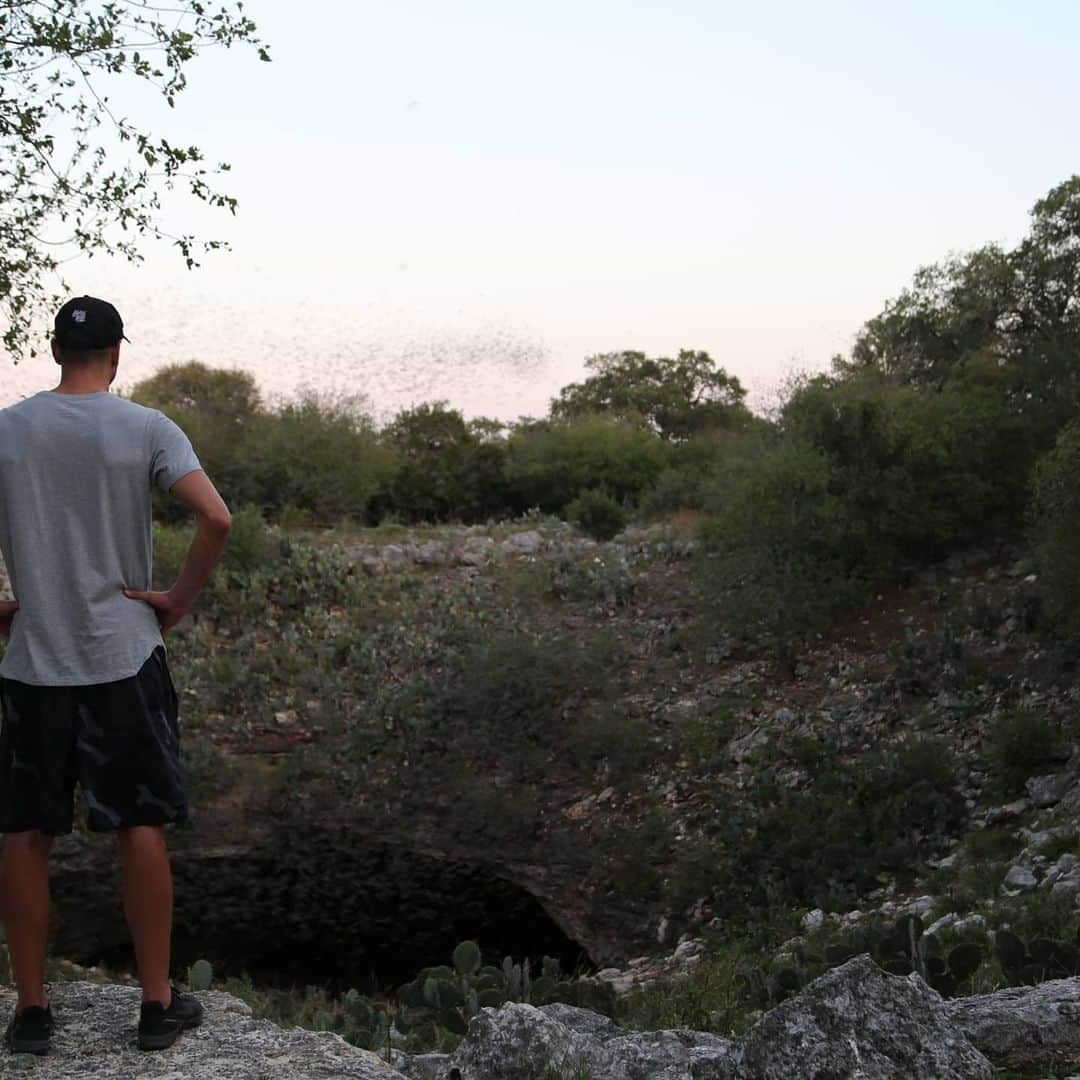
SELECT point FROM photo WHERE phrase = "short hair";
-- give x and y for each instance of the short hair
(84, 357)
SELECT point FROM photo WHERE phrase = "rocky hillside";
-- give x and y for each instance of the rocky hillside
(383, 727)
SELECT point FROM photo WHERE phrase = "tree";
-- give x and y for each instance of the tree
(674, 397)
(447, 467)
(225, 399)
(1010, 319)
(76, 177)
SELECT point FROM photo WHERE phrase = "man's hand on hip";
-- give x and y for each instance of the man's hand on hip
(7, 613)
(168, 611)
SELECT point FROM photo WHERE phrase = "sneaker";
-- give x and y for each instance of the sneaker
(30, 1030)
(160, 1027)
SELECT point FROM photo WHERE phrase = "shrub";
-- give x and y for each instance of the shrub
(684, 484)
(919, 472)
(597, 514)
(1022, 743)
(824, 844)
(548, 464)
(506, 702)
(777, 548)
(445, 468)
(314, 454)
(1055, 526)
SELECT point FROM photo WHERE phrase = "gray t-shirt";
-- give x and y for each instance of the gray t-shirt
(76, 472)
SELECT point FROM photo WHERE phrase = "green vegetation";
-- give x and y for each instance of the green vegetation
(923, 441)
(1055, 521)
(431, 1012)
(825, 843)
(674, 397)
(68, 156)
(597, 514)
(1022, 743)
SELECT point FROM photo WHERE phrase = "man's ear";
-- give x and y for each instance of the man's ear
(114, 360)
(56, 351)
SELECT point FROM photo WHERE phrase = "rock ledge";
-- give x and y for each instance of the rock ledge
(95, 1040)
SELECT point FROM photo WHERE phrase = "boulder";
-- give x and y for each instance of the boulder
(95, 1037)
(1023, 1025)
(1047, 791)
(523, 543)
(518, 1041)
(430, 553)
(476, 551)
(857, 1021)
(1019, 877)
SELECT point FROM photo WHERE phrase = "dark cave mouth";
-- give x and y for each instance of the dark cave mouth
(354, 915)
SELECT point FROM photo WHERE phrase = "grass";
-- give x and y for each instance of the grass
(1056, 846)
(722, 993)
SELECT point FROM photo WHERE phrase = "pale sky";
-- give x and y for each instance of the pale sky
(464, 200)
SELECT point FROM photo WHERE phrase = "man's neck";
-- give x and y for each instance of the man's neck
(84, 380)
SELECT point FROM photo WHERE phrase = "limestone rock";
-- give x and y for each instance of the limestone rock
(997, 814)
(855, 1021)
(476, 551)
(1023, 1024)
(517, 1041)
(1046, 791)
(1019, 877)
(858, 1021)
(523, 543)
(427, 1067)
(744, 748)
(430, 553)
(396, 554)
(95, 1040)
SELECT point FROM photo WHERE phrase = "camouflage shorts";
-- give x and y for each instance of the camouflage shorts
(119, 740)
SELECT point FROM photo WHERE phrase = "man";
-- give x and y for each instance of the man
(85, 691)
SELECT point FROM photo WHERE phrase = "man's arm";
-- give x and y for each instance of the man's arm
(212, 524)
(7, 613)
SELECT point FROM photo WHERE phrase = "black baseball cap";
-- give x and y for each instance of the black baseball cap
(85, 322)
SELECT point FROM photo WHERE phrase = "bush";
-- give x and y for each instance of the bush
(684, 484)
(597, 514)
(1022, 743)
(445, 469)
(918, 472)
(778, 555)
(314, 454)
(826, 843)
(1055, 526)
(548, 464)
(506, 702)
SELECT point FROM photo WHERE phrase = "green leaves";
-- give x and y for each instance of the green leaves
(674, 397)
(81, 191)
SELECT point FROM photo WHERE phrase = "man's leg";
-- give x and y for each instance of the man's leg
(148, 906)
(24, 901)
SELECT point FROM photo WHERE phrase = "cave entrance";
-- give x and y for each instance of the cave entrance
(322, 910)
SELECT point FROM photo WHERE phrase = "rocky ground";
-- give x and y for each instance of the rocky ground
(855, 1021)
(946, 655)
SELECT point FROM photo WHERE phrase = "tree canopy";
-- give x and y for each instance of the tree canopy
(675, 397)
(1010, 317)
(75, 176)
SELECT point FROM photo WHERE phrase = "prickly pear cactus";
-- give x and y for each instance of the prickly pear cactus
(200, 975)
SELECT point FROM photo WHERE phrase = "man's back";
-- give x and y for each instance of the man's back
(76, 472)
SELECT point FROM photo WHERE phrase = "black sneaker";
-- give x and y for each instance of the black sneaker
(29, 1031)
(160, 1027)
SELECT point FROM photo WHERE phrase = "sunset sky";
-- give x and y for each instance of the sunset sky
(465, 200)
